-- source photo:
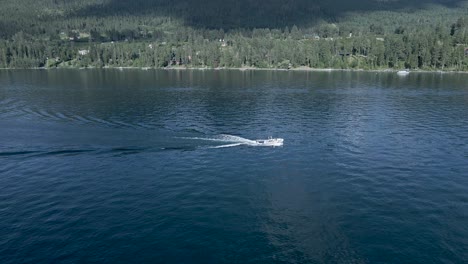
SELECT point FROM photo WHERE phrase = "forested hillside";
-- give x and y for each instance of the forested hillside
(361, 34)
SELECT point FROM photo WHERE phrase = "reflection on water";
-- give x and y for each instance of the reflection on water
(125, 166)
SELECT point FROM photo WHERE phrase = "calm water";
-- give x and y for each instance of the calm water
(123, 166)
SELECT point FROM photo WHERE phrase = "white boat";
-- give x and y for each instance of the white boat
(270, 142)
(403, 73)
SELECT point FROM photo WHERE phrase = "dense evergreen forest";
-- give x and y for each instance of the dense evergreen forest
(361, 34)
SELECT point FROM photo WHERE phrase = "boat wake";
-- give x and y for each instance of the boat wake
(235, 141)
(228, 145)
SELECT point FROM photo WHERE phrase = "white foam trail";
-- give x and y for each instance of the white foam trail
(230, 138)
(228, 145)
(225, 138)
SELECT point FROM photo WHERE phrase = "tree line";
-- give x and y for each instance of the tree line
(434, 38)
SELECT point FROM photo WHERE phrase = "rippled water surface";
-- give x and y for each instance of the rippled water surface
(126, 166)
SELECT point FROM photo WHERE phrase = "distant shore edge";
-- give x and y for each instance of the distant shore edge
(298, 69)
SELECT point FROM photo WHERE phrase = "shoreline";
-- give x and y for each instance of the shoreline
(298, 69)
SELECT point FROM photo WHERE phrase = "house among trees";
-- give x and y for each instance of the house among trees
(83, 52)
(223, 43)
(466, 51)
(312, 36)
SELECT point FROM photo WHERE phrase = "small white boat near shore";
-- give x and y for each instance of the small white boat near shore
(403, 73)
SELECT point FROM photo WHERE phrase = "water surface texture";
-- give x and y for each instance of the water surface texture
(127, 166)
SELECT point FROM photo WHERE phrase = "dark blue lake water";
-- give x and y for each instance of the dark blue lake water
(132, 166)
